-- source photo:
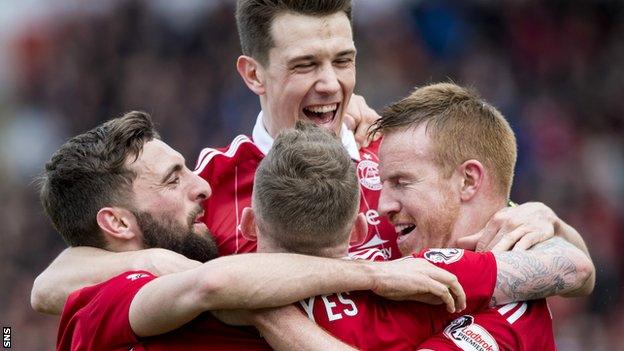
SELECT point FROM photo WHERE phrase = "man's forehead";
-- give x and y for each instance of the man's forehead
(290, 30)
(398, 148)
(155, 157)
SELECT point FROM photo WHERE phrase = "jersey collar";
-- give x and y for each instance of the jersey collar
(264, 141)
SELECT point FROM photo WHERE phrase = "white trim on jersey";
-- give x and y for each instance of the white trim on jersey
(503, 310)
(208, 154)
(264, 141)
(367, 254)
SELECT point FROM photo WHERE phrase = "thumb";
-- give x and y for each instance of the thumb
(349, 121)
(469, 242)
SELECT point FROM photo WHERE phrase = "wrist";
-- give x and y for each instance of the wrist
(372, 273)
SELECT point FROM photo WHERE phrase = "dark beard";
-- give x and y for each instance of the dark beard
(166, 234)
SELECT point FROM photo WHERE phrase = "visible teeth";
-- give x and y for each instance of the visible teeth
(401, 227)
(322, 108)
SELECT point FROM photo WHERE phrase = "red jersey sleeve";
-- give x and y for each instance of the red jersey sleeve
(521, 326)
(476, 273)
(96, 317)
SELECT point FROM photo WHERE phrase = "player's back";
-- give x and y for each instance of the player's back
(230, 172)
(369, 322)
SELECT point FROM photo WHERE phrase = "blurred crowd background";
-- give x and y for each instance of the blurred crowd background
(554, 68)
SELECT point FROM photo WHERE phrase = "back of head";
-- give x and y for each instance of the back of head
(88, 173)
(306, 193)
(255, 17)
(461, 125)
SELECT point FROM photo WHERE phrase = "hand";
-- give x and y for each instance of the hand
(518, 227)
(358, 118)
(162, 262)
(417, 279)
(234, 317)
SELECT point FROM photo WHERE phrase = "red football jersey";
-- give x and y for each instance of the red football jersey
(230, 172)
(96, 318)
(523, 326)
(369, 322)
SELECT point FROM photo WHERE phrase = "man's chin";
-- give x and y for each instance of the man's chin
(407, 246)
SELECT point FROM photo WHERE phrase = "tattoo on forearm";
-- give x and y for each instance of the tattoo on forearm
(528, 277)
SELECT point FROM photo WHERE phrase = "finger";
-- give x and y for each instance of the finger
(376, 136)
(360, 134)
(510, 239)
(527, 241)
(469, 242)
(494, 241)
(349, 121)
(440, 290)
(453, 285)
(460, 296)
(488, 233)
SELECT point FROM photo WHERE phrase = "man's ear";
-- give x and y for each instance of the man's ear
(472, 174)
(359, 230)
(117, 222)
(252, 73)
(248, 224)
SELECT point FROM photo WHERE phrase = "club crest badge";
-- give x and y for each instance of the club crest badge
(368, 173)
(446, 256)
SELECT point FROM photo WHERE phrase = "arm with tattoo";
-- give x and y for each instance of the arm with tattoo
(553, 267)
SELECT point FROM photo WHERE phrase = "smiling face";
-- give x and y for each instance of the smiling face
(168, 201)
(418, 199)
(310, 74)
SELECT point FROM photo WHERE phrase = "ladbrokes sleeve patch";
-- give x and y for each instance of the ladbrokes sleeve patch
(469, 336)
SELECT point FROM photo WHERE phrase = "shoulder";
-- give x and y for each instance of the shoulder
(123, 283)
(241, 146)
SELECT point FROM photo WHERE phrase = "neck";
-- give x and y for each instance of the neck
(267, 246)
(117, 245)
(475, 214)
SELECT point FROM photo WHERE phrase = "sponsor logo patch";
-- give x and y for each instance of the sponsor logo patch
(469, 336)
(368, 173)
(444, 255)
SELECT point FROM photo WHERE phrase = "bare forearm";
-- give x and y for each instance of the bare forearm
(554, 267)
(270, 280)
(571, 235)
(241, 282)
(286, 328)
(74, 269)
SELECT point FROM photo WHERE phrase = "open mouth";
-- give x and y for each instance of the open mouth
(197, 217)
(404, 229)
(321, 114)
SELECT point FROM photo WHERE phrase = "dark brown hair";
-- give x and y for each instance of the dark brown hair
(88, 172)
(306, 192)
(255, 17)
(461, 125)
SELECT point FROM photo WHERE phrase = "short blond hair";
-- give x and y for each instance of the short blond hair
(462, 126)
(306, 192)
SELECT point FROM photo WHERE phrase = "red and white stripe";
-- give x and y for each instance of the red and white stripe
(207, 154)
(368, 254)
(513, 311)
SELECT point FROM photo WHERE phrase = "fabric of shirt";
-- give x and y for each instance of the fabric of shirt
(96, 318)
(369, 322)
(230, 172)
(520, 326)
